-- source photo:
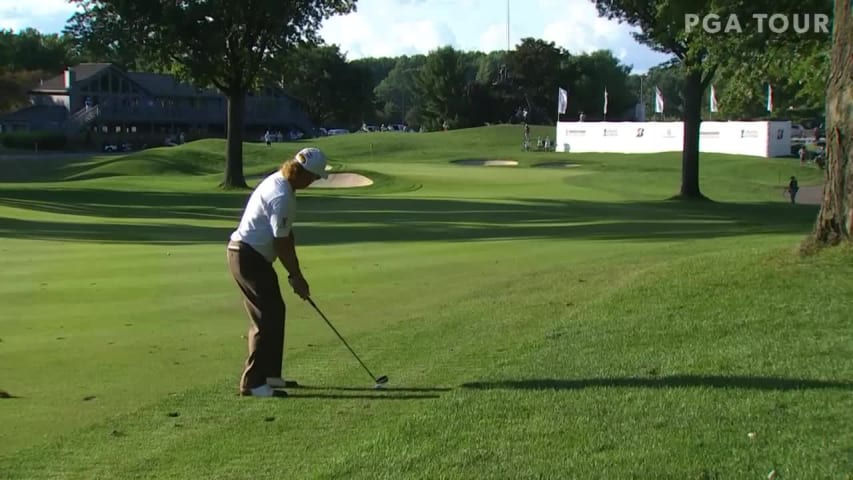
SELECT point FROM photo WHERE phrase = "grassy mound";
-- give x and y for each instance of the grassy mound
(533, 322)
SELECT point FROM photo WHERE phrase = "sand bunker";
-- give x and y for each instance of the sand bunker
(488, 163)
(342, 180)
(557, 165)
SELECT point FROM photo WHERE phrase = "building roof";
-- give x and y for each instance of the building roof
(156, 84)
(162, 85)
(83, 72)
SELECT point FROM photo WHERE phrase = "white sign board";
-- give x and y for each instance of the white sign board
(760, 139)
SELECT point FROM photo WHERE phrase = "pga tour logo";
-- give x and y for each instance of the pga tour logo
(776, 22)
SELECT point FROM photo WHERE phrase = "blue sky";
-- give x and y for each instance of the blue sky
(395, 27)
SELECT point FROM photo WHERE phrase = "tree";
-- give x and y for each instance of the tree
(221, 42)
(378, 69)
(535, 68)
(397, 90)
(29, 50)
(441, 89)
(835, 220)
(669, 78)
(797, 72)
(334, 91)
(663, 28)
(488, 70)
(587, 75)
(701, 52)
(15, 85)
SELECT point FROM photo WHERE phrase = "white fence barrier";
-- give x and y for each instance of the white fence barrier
(760, 139)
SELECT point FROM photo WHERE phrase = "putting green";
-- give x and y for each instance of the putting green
(533, 322)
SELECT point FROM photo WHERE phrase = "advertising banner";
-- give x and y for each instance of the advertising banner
(760, 139)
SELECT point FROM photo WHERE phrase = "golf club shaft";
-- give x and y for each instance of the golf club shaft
(342, 338)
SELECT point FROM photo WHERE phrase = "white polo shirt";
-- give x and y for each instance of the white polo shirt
(269, 214)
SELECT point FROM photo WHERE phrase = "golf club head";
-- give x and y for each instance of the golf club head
(382, 380)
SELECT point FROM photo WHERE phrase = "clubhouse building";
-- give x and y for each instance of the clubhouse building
(100, 102)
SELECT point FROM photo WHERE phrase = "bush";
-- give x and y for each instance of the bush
(33, 140)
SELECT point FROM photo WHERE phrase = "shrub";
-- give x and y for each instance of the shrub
(34, 140)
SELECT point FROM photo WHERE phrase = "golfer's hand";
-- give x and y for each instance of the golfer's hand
(300, 286)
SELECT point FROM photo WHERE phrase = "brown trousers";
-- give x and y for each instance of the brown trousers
(262, 299)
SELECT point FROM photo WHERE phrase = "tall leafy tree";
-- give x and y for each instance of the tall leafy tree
(397, 90)
(489, 68)
(378, 68)
(30, 50)
(334, 91)
(220, 42)
(535, 68)
(669, 78)
(663, 28)
(441, 87)
(586, 76)
(834, 223)
(798, 74)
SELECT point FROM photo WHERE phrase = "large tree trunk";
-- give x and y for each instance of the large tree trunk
(234, 151)
(835, 220)
(690, 150)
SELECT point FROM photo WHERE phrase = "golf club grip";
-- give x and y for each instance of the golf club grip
(340, 337)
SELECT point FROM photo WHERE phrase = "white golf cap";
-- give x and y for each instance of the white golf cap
(313, 160)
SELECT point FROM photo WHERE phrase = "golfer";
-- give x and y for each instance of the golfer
(265, 233)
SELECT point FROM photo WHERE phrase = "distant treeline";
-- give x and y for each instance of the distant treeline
(447, 85)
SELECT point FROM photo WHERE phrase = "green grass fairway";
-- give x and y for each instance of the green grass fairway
(534, 322)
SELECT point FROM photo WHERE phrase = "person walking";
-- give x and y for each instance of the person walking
(793, 188)
(264, 235)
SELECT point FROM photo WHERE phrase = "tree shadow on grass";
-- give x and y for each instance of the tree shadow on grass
(4, 395)
(364, 389)
(673, 381)
(378, 396)
(168, 218)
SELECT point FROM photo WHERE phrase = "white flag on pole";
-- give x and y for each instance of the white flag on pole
(714, 106)
(769, 98)
(605, 100)
(658, 101)
(562, 101)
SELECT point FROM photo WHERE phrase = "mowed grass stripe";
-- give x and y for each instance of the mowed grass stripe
(560, 320)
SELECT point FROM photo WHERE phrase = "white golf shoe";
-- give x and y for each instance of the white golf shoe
(263, 391)
(278, 382)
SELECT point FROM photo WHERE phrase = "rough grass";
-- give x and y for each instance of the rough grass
(534, 323)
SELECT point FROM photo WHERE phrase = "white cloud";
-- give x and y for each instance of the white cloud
(422, 36)
(578, 27)
(494, 38)
(361, 35)
(404, 27)
(42, 14)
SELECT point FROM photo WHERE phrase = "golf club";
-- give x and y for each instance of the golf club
(379, 380)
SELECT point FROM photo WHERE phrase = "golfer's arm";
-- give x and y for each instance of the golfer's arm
(285, 248)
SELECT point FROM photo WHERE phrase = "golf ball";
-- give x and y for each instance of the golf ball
(378, 387)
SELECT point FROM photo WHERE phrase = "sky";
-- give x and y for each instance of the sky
(405, 27)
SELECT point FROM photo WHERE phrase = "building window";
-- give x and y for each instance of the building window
(118, 128)
(105, 129)
(133, 129)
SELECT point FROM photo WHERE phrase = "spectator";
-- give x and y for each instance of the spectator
(793, 188)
